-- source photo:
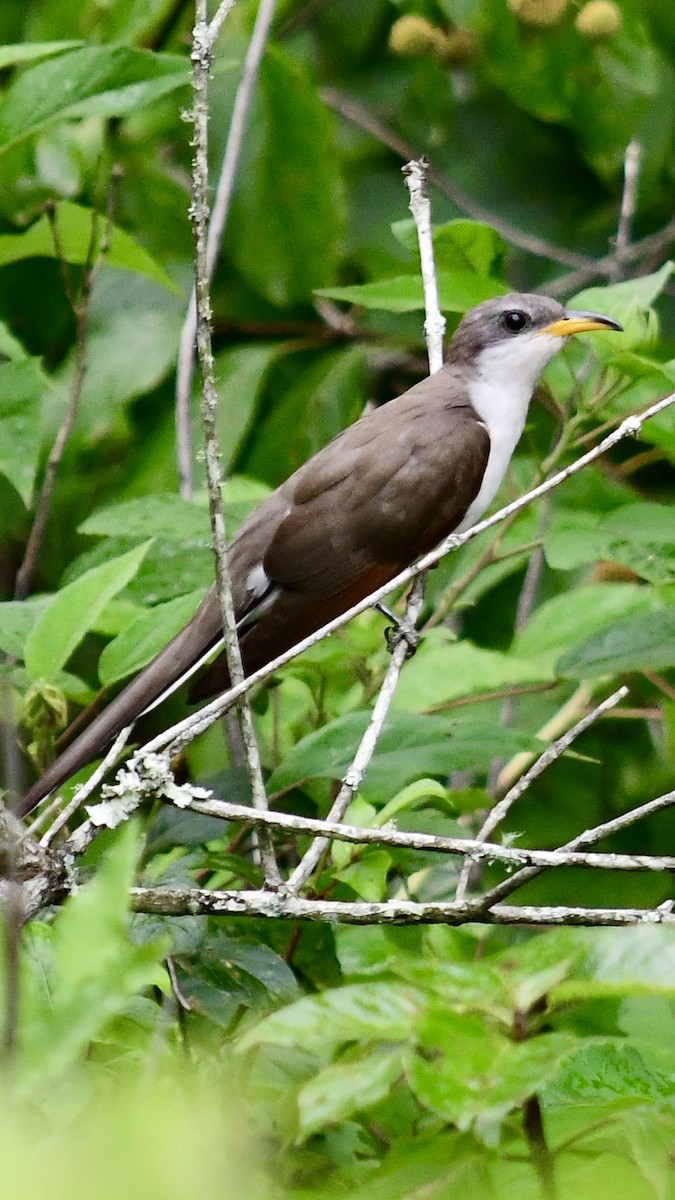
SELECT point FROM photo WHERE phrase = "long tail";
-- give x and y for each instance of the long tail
(153, 684)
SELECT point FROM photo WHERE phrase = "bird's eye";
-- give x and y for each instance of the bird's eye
(515, 321)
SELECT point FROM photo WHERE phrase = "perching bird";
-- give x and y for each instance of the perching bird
(383, 492)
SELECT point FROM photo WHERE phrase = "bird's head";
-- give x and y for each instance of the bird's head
(518, 334)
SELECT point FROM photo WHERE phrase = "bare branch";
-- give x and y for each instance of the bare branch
(83, 793)
(183, 901)
(201, 60)
(354, 776)
(437, 844)
(217, 224)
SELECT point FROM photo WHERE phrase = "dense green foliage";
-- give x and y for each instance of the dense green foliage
(364, 1061)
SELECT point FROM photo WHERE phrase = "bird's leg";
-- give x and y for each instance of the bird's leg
(401, 629)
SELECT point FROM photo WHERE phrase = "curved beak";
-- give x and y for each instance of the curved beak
(576, 321)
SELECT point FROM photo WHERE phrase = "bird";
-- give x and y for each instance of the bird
(383, 492)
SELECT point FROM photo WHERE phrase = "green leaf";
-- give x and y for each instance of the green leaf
(339, 1091)
(17, 618)
(23, 387)
(139, 642)
(642, 537)
(288, 215)
(368, 875)
(167, 516)
(458, 291)
(74, 225)
(319, 1024)
(645, 642)
(630, 302)
(458, 245)
(12, 56)
(410, 746)
(73, 611)
(241, 372)
(103, 81)
(609, 1071)
(470, 1074)
(11, 347)
(444, 670)
(566, 620)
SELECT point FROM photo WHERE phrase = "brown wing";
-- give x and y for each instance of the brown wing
(388, 489)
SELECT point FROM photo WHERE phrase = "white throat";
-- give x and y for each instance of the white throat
(500, 391)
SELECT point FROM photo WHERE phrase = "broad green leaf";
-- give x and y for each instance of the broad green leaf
(568, 619)
(610, 1071)
(469, 1074)
(17, 618)
(367, 876)
(458, 245)
(573, 539)
(139, 642)
(74, 224)
(645, 642)
(363, 1011)
(240, 376)
(411, 745)
(327, 396)
(23, 387)
(10, 347)
(642, 537)
(12, 56)
(166, 516)
(352, 1087)
(288, 215)
(413, 796)
(444, 670)
(103, 81)
(459, 290)
(73, 611)
(630, 302)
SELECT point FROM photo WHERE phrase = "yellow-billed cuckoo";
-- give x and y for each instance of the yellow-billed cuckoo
(383, 492)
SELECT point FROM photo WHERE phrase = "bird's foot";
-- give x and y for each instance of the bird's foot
(400, 630)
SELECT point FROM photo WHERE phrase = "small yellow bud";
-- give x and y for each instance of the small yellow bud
(599, 19)
(413, 36)
(540, 13)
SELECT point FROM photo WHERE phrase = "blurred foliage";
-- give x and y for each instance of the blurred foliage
(363, 1061)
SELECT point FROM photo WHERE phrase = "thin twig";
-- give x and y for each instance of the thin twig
(354, 112)
(354, 776)
(186, 730)
(549, 756)
(217, 226)
(83, 793)
(201, 60)
(415, 173)
(512, 856)
(631, 175)
(653, 247)
(80, 307)
(217, 22)
(588, 838)
(434, 329)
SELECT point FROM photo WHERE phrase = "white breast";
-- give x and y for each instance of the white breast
(500, 392)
